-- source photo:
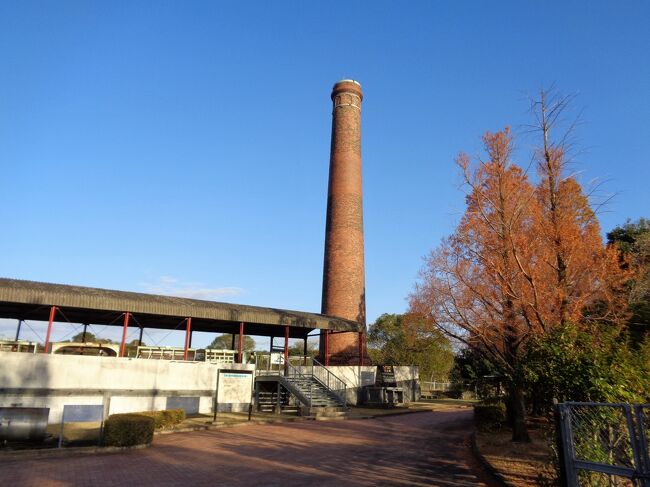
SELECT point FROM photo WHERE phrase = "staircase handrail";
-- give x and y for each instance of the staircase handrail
(341, 392)
(292, 371)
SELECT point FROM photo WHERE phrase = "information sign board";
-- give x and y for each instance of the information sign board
(234, 389)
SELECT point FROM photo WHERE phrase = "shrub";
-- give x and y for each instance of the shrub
(592, 363)
(166, 418)
(489, 416)
(128, 430)
(178, 415)
(155, 416)
(171, 417)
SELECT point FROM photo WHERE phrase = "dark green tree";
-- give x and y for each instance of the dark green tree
(472, 370)
(224, 342)
(396, 339)
(298, 349)
(574, 363)
(626, 236)
(633, 242)
(90, 337)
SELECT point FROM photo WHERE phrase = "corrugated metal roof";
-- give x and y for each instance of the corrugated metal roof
(19, 296)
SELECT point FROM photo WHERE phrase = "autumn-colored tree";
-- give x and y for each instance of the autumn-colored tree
(524, 259)
(578, 275)
(475, 286)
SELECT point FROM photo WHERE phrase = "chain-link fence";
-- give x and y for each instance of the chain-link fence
(604, 444)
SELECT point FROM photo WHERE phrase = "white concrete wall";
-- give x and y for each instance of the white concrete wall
(88, 378)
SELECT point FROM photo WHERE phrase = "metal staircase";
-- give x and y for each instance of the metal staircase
(315, 387)
(269, 401)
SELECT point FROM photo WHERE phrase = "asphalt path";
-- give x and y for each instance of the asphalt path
(425, 448)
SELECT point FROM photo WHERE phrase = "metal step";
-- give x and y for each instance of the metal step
(321, 398)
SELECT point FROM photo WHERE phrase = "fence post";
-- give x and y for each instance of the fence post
(635, 440)
(557, 417)
(568, 473)
(644, 454)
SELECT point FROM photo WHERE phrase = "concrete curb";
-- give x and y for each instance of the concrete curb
(487, 465)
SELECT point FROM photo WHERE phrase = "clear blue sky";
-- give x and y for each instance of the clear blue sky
(182, 147)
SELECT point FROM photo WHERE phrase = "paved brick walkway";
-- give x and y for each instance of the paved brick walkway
(429, 448)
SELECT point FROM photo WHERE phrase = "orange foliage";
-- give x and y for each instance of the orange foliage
(523, 258)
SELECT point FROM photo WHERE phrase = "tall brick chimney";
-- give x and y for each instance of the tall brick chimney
(344, 293)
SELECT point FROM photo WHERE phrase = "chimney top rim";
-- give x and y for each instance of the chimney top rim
(347, 86)
(348, 80)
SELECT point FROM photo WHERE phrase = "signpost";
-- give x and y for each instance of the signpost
(234, 387)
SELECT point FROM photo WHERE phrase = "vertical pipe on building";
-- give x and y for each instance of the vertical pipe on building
(286, 347)
(20, 322)
(232, 343)
(124, 330)
(361, 348)
(343, 266)
(304, 352)
(240, 352)
(140, 336)
(49, 329)
(83, 335)
(188, 331)
(327, 347)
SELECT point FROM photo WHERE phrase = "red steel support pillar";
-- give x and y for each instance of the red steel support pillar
(49, 329)
(124, 330)
(240, 352)
(188, 332)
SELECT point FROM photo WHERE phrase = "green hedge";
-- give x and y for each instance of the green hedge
(166, 418)
(489, 416)
(128, 430)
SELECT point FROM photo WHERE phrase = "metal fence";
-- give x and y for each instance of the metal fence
(604, 444)
(436, 386)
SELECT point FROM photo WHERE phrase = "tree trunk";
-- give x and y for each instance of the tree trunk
(519, 429)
